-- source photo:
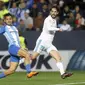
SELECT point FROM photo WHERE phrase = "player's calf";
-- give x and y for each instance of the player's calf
(6, 73)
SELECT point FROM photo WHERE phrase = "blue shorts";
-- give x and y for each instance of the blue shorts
(14, 58)
(13, 50)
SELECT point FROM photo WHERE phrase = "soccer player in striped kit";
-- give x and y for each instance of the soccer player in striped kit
(14, 48)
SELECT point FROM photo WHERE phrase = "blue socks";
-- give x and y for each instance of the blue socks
(2, 75)
(28, 68)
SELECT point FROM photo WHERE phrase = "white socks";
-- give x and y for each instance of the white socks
(60, 67)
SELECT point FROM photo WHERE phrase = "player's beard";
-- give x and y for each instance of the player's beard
(53, 16)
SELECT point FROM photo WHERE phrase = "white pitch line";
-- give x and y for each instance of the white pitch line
(70, 83)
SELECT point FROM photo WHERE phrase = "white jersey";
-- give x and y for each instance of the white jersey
(49, 29)
(44, 42)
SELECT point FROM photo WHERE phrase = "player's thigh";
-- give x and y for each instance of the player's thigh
(23, 53)
(52, 50)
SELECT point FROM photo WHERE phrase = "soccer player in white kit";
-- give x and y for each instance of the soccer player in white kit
(44, 42)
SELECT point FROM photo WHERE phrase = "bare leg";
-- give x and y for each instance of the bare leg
(57, 57)
(24, 54)
(35, 55)
(13, 66)
(59, 64)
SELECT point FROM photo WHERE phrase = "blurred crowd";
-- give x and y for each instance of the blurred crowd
(30, 14)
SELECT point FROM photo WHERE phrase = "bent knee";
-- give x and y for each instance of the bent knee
(23, 53)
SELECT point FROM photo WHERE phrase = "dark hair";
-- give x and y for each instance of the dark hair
(56, 7)
(8, 14)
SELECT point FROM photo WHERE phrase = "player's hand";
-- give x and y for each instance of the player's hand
(60, 30)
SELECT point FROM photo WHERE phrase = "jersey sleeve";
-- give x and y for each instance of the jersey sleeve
(50, 27)
(2, 30)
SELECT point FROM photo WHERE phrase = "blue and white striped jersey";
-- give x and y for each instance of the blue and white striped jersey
(11, 34)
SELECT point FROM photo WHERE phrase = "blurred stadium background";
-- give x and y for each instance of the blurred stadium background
(71, 44)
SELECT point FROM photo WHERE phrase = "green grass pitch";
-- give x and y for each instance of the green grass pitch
(44, 78)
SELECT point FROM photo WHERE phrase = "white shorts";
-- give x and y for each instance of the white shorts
(44, 46)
